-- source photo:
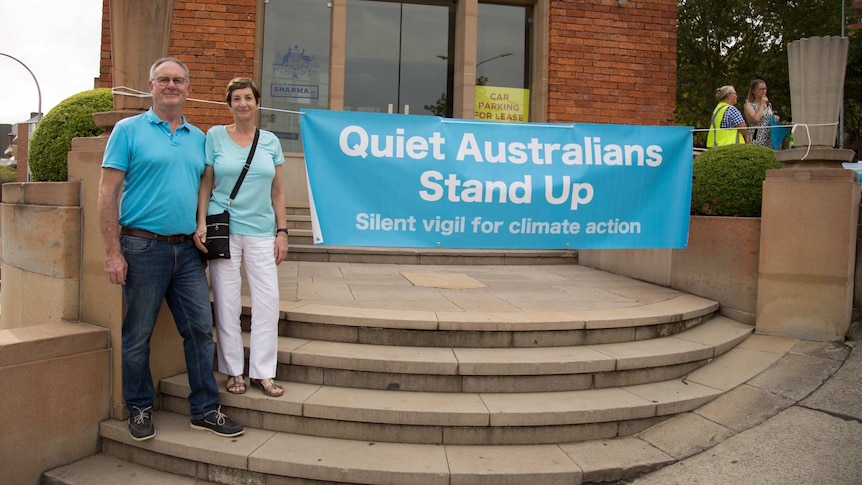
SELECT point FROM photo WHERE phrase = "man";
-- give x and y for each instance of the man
(155, 161)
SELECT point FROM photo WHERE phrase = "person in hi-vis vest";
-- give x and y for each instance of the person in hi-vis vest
(727, 125)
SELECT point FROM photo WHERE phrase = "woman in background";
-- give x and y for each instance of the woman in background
(758, 112)
(727, 126)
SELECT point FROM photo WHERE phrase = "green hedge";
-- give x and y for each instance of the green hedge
(728, 180)
(72, 118)
(8, 174)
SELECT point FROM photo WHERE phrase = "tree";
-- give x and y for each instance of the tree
(736, 41)
(853, 94)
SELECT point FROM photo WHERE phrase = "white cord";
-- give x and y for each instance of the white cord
(127, 91)
(792, 130)
(770, 126)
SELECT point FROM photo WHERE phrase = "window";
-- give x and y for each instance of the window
(400, 57)
(502, 47)
(397, 57)
(295, 65)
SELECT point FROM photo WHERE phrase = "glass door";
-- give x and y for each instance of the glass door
(399, 57)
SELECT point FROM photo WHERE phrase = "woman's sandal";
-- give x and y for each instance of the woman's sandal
(272, 389)
(235, 385)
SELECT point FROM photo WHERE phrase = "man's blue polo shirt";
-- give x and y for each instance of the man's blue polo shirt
(163, 173)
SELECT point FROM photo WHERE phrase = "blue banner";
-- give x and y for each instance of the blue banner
(421, 181)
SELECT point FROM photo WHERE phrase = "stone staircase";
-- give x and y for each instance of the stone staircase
(396, 414)
(398, 392)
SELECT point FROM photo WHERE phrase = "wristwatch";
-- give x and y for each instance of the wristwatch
(281, 229)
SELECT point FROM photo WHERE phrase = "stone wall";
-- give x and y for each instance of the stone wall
(54, 370)
(41, 253)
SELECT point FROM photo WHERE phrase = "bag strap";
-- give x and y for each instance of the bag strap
(245, 167)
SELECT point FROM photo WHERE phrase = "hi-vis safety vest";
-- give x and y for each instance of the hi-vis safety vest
(722, 136)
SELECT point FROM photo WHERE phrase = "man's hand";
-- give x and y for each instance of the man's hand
(115, 268)
(109, 211)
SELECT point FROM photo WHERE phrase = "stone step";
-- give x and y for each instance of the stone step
(298, 221)
(427, 328)
(261, 456)
(279, 456)
(447, 369)
(453, 418)
(301, 210)
(480, 418)
(102, 469)
(302, 248)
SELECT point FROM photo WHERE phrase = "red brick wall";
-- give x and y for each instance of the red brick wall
(608, 63)
(611, 63)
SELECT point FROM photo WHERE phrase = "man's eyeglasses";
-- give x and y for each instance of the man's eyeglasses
(164, 80)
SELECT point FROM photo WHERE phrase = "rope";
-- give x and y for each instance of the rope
(792, 130)
(793, 126)
(127, 91)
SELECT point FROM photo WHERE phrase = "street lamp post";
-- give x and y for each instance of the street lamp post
(446, 58)
(38, 89)
(492, 58)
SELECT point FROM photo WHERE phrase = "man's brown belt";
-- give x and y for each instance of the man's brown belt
(175, 239)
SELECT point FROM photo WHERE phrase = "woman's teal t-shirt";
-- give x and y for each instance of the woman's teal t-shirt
(251, 212)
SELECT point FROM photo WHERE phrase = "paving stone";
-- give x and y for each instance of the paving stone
(744, 407)
(685, 435)
(797, 446)
(842, 394)
(796, 375)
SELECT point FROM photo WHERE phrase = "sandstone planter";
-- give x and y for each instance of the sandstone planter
(720, 263)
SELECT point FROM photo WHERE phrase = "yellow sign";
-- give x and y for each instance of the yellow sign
(502, 104)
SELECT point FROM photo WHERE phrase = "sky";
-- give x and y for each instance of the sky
(59, 40)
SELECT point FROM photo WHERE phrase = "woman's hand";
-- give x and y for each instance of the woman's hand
(200, 237)
(280, 248)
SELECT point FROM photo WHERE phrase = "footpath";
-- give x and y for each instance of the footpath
(817, 440)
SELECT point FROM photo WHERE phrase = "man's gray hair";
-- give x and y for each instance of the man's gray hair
(168, 59)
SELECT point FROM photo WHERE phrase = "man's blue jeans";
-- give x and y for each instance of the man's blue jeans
(160, 271)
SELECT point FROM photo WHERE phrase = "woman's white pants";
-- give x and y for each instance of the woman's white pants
(256, 256)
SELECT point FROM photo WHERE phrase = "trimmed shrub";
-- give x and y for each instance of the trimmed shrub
(8, 174)
(728, 180)
(72, 118)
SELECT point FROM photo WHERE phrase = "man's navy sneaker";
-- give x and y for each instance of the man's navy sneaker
(218, 422)
(141, 423)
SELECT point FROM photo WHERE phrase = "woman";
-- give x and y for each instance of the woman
(258, 238)
(758, 112)
(727, 125)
